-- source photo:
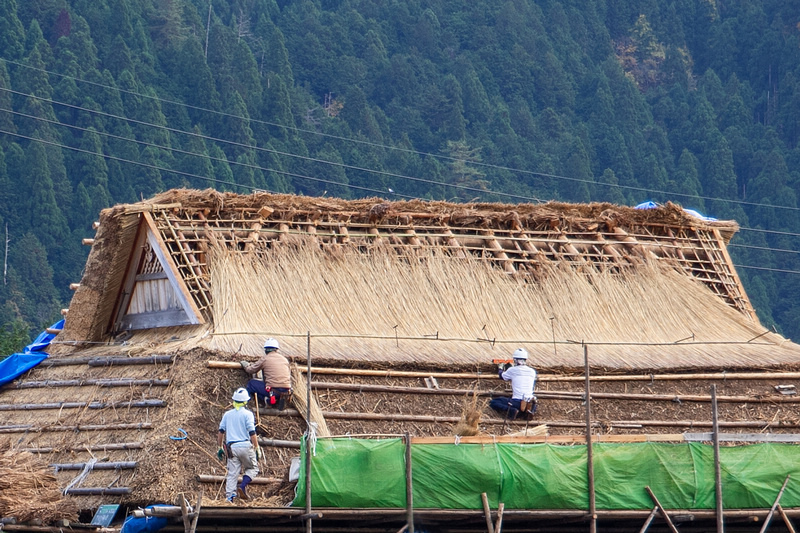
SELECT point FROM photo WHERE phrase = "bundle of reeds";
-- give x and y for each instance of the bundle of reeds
(470, 416)
(300, 401)
(28, 489)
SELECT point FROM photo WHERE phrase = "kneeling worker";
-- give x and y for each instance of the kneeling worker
(523, 381)
(274, 389)
(237, 431)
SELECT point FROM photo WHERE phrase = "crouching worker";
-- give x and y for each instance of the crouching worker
(275, 389)
(523, 381)
(237, 431)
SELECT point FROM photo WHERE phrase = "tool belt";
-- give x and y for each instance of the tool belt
(228, 447)
(273, 394)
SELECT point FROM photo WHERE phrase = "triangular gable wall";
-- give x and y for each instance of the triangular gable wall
(154, 294)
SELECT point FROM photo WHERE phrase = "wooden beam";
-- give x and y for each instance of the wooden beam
(774, 505)
(87, 448)
(117, 465)
(209, 478)
(98, 491)
(80, 405)
(661, 509)
(93, 360)
(123, 382)
(30, 428)
(176, 280)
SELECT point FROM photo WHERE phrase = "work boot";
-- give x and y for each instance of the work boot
(231, 497)
(241, 492)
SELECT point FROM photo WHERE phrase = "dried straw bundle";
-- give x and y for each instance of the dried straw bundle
(299, 399)
(470, 417)
(536, 430)
(29, 490)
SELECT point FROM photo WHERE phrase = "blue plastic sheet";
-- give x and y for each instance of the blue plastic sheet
(17, 364)
(148, 524)
(646, 205)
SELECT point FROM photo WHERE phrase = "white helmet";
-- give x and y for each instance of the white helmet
(271, 343)
(521, 353)
(241, 395)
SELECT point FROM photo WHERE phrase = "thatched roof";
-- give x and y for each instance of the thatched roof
(388, 287)
(416, 283)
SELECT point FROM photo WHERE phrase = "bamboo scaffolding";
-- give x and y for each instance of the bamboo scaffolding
(117, 465)
(94, 360)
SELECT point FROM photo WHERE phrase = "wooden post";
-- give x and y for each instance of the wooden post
(196, 513)
(717, 467)
(774, 505)
(649, 520)
(786, 520)
(187, 525)
(487, 512)
(661, 509)
(308, 432)
(409, 487)
(589, 451)
(498, 524)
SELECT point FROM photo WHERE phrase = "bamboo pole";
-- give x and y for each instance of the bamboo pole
(717, 467)
(774, 505)
(550, 423)
(589, 448)
(279, 443)
(93, 360)
(551, 394)
(542, 377)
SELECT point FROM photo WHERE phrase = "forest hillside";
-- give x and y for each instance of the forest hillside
(106, 101)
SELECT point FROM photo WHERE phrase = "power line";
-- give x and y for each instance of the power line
(764, 248)
(785, 271)
(263, 149)
(406, 150)
(206, 156)
(155, 167)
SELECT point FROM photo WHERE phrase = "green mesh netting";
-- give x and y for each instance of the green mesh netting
(371, 473)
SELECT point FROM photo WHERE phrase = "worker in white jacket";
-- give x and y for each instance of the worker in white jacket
(523, 381)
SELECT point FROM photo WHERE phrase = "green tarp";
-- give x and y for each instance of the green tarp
(371, 473)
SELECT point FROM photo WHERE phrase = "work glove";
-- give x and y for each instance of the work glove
(221, 454)
(244, 364)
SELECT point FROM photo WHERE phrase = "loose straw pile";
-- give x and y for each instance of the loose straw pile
(299, 399)
(29, 490)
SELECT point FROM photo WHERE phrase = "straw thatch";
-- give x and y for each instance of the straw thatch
(28, 489)
(436, 310)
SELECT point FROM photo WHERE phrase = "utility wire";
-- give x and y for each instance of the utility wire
(206, 156)
(406, 150)
(179, 172)
(288, 154)
(187, 174)
(274, 151)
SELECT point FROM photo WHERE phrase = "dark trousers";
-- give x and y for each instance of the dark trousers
(268, 396)
(502, 404)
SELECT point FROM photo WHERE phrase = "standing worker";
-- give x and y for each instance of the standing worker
(237, 431)
(276, 386)
(523, 381)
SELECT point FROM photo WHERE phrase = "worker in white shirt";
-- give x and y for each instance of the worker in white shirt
(523, 381)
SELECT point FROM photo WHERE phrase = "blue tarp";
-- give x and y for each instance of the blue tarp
(647, 205)
(698, 215)
(17, 364)
(148, 524)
